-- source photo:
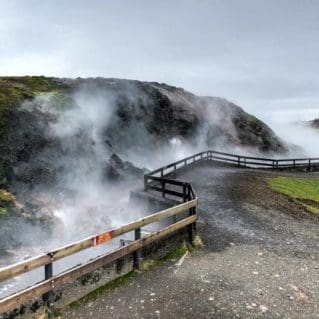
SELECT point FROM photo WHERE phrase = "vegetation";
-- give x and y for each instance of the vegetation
(94, 295)
(6, 199)
(14, 90)
(303, 190)
(251, 119)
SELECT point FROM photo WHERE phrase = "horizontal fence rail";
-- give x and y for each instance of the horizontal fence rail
(46, 287)
(158, 179)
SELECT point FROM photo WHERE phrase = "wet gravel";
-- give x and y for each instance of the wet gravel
(260, 258)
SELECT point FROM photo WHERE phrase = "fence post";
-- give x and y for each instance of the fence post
(137, 253)
(48, 298)
(145, 183)
(309, 165)
(163, 188)
(191, 227)
(238, 161)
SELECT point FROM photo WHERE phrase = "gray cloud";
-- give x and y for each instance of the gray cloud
(260, 54)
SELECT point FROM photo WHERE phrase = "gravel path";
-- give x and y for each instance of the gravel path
(260, 259)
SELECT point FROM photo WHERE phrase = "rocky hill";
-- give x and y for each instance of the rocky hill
(40, 118)
(56, 134)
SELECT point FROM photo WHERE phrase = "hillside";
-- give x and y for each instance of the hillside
(63, 139)
(129, 115)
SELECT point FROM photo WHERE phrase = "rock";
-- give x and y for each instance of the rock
(116, 162)
(116, 169)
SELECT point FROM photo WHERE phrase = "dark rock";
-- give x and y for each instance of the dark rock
(116, 168)
(111, 173)
(116, 162)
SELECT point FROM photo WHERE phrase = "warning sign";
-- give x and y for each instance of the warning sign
(102, 238)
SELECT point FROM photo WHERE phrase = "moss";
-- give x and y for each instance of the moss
(35, 83)
(94, 295)
(176, 253)
(251, 119)
(146, 265)
(303, 190)
(15, 90)
(197, 242)
(6, 198)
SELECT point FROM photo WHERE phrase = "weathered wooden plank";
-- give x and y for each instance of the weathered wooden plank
(156, 217)
(43, 287)
(24, 266)
(27, 265)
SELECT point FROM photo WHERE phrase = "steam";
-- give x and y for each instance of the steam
(91, 124)
(294, 127)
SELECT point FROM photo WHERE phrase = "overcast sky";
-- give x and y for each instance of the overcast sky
(262, 55)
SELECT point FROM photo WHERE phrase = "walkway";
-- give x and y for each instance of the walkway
(260, 259)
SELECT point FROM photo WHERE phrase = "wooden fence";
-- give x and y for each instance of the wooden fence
(45, 288)
(158, 179)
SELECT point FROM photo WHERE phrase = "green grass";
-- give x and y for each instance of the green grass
(304, 190)
(300, 188)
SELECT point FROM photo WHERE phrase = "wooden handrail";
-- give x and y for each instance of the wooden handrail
(235, 158)
(45, 286)
(41, 260)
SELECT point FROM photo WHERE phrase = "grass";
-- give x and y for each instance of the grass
(303, 190)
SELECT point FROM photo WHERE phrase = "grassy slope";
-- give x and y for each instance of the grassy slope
(304, 190)
(14, 90)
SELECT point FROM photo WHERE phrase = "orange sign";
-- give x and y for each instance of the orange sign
(102, 238)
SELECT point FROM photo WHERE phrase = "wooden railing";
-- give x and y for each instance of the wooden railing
(158, 179)
(45, 288)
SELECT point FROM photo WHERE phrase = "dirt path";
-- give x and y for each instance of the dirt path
(260, 259)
